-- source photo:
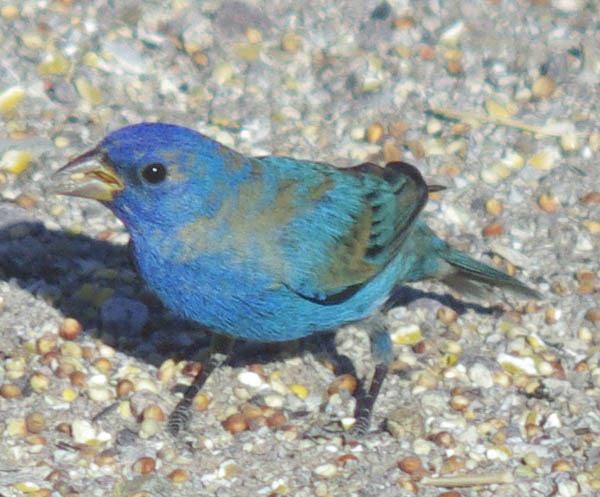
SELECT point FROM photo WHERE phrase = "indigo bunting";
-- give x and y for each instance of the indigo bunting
(269, 248)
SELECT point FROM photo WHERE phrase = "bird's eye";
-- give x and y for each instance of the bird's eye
(154, 173)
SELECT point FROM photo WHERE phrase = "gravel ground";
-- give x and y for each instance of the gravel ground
(498, 100)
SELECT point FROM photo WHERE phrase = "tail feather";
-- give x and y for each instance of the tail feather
(467, 275)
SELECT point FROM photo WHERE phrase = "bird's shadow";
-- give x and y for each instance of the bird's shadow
(76, 273)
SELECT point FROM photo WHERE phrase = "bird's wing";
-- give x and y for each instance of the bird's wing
(353, 223)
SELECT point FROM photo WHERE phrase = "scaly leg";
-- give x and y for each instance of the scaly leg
(381, 350)
(220, 348)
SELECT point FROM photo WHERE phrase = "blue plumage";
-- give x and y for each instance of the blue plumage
(269, 248)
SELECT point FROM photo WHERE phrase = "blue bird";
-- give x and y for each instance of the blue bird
(269, 248)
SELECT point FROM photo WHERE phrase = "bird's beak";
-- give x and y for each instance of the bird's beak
(90, 175)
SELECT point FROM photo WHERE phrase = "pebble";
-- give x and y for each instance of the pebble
(82, 431)
(11, 98)
(250, 379)
(15, 161)
(326, 471)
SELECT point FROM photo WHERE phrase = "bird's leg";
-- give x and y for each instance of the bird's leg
(381, 351)
(220, 348)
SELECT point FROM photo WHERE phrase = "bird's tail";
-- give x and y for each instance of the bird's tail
(467, 275)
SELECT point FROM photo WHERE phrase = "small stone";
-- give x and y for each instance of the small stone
(299, 391)
(444, 439)
(593, 314)
(493, 229)
(562, 466)
(543, 87)
(82, 431)
(148, 428)
(250, 379)
(592, 226)
(451, 35)
(406, 335)
(15, 161)
(124, 387)
(144, 465)
(459, 402)
(35, 422)
(88, 92)
(405, 424)
(343, 382)
(178, 476)
(446, 315)
(391, 153)
(569, 142)
(39, 382)
(201, 402)
(493, 207)
(412, 465)
(235, 423)
(548, 202)
(546, 159)
(10, 391)
(375, 133)
(100, 394)
(275, 401)
(70, 329)
(326, 470)
(517, 365)
(592, 198)
(54, 64)
(10, 98)
(16, 428)
(481, 376)
(291, 42)
(9, 12)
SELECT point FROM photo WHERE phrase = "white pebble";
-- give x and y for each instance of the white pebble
(250, 379)
(513, 363)
(481, 376)
(82, 431)
(99, 394)
(274, 401)
(326, 470)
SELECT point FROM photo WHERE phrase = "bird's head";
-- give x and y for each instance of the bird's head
(149, 172)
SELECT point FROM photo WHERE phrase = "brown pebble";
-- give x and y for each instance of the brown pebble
(543, 87)
(105, 458)
(422, 346)
(103, 365)
(391, 152)
(343, 382)
(257, 422)
(454, 67)
(398, 128)
(548, 202)
(493, 229)
(408, 485)
(144, 465)
(64, 428)
(562, 466)
(235, 423)
(77, 379)
(404, 22)
(426, 52)
(291, 42)
(587, 282)
(192, 369)
(124, 387)
(450, 493)
(178, 476)
(452, 464)
(592, 198)
(35, 422)
(10, 391)
(276, 419)
(443, 439)
(26, 200)
(447, 315)
(412, 465)
(153, 411)
(346, 458)
(593, 314)
(582, 367)
(201, 402)
(70, 329)
(375, 133)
